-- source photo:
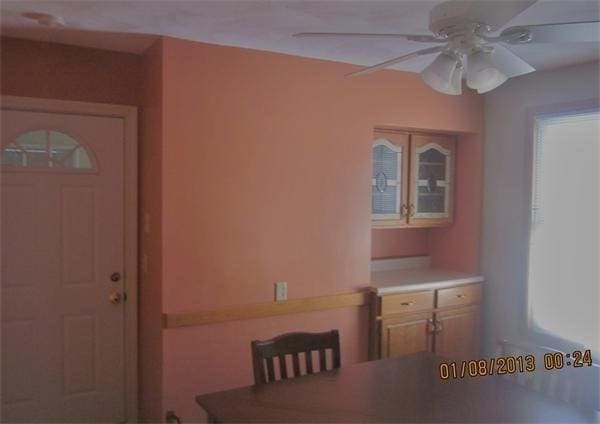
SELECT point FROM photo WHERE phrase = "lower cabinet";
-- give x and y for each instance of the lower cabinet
(449, 325)
(405, 335)
(457, 333)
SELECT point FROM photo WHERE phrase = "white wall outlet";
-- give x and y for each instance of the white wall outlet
(280, 290)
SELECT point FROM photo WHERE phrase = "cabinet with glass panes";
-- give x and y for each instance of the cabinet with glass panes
(412, 180)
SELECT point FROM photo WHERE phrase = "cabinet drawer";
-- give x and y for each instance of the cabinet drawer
(457, 296)
(406, 302)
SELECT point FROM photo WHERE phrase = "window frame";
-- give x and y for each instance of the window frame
(529, 329)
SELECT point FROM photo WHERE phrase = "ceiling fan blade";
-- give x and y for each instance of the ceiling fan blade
(391, 62)
(509, 63)
(567, 32)
(495, 13)
(411, 37)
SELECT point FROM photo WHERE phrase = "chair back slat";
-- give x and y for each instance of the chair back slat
(296, 364)
(322, 360)
(293, 344)
(309, 363)
(282, 367)
(270, 369)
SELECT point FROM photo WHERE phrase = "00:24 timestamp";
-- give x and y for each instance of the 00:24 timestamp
(512, 364)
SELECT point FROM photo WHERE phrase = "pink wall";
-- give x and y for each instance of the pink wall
(266, 163)
(394, 243)
(457, 247)
(58, 71)
(150, 294)
(254, 169)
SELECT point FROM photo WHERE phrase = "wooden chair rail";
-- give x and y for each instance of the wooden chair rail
(267, 309)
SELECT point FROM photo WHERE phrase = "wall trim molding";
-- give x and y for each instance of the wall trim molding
(266, 309)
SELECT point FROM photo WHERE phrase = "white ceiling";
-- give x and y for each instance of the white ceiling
(268, 25)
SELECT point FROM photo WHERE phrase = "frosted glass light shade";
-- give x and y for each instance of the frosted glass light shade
(443, 75)
(482, 74)
(456, 80)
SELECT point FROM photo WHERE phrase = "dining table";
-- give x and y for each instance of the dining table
(406, 389)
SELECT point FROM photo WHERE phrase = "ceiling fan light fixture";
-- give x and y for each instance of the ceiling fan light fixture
(456, 79)
(482, 73)
(442, 74)
(493, 83)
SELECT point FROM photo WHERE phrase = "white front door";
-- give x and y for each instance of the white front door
(63, 311)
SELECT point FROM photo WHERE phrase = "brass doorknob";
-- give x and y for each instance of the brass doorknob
(115, 298)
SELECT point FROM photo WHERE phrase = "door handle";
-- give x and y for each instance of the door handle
(115, 298)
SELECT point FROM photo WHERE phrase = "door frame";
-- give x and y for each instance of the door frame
(130, 129)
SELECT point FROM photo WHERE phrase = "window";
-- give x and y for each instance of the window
(46, 149)
(564, 254)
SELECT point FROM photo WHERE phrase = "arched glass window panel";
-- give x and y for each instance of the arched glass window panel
(43, 149)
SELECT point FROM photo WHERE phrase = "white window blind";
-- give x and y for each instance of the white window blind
(564, 253)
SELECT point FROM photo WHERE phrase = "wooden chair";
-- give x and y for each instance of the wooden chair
(269, 356)
(578, 386)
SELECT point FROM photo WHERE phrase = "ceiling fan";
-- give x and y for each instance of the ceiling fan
(469, 45)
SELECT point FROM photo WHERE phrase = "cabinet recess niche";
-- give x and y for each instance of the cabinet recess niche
(413, 179)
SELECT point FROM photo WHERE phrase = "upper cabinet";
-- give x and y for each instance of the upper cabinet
(413, 179)
(389, 181)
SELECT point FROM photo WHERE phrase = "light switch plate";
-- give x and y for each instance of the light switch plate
(280, 290)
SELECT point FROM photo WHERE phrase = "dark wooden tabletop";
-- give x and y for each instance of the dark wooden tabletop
(407, 389)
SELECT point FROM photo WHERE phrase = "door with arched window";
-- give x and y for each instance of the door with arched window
(62, 264)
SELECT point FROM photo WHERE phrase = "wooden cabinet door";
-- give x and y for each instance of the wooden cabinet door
(432, 180)
(406, 334)
(389, 179)
(457, 334)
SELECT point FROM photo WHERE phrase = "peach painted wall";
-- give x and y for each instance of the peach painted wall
(457, 247)
(57, 71)
(395, 243)
(254, 168)
(266, 164)
(150, 293)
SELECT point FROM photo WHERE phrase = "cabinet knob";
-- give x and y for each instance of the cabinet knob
(430, 326)
(461, 296)
(409, 303)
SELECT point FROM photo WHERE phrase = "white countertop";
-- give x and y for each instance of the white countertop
(413, 277)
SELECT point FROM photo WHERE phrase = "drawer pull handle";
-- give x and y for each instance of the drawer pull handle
(461, 296)
(409, 303)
